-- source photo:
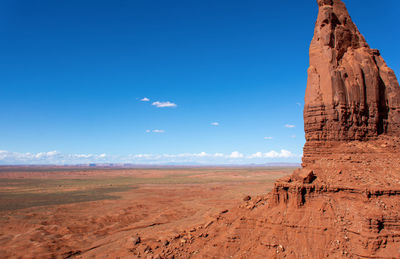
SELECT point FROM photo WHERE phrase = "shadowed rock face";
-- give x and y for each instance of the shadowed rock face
(351, 93)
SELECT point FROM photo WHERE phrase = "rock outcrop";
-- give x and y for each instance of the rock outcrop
(345, 201)
(351, 93)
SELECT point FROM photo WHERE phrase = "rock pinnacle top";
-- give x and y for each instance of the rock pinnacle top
(351, 93)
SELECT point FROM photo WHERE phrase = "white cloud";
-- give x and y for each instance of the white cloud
(145, 99)
(218, 155)
(236, 154)
(268, 138)
(256, 155)
(158, 131)
(215, 123)
(155, 131)
(163, 104)
(83, 155)
(51, 157)
(54, 157)
(293, 136)
(273, 154)
(46, 154)
(202, 154)
(289, 126)
(141, 156)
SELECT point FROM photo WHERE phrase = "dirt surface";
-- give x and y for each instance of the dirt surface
(86, 213)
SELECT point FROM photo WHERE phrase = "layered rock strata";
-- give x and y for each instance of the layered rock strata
(351, 93)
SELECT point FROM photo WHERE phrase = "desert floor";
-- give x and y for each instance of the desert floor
(87, 213)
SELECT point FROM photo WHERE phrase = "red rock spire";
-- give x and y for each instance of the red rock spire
(351, 93)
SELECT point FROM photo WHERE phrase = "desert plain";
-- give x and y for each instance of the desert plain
(66, 212)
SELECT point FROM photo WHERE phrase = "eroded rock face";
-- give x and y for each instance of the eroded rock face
(351, 93)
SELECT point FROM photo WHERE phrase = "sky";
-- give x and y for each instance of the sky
(163, 82)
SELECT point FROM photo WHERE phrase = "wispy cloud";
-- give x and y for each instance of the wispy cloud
(145, 99)
(158, 131)
(155, 131)
(163, 104)
(268, 138)
(293, 136)
(290, 126)
(215, 123)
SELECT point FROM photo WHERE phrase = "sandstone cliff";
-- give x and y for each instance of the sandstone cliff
(351, 93)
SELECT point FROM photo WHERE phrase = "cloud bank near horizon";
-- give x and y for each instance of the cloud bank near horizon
(236, 157)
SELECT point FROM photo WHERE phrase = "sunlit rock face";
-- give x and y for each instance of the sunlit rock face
(351, 93)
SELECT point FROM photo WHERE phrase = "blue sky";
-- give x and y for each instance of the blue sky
(73, 75)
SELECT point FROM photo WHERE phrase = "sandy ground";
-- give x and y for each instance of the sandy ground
(100, 213)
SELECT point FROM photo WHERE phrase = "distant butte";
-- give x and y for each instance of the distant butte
(345, 200)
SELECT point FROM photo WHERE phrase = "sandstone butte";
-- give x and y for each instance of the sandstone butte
(345, 200)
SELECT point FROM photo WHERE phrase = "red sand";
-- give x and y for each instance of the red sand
(107, 228)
